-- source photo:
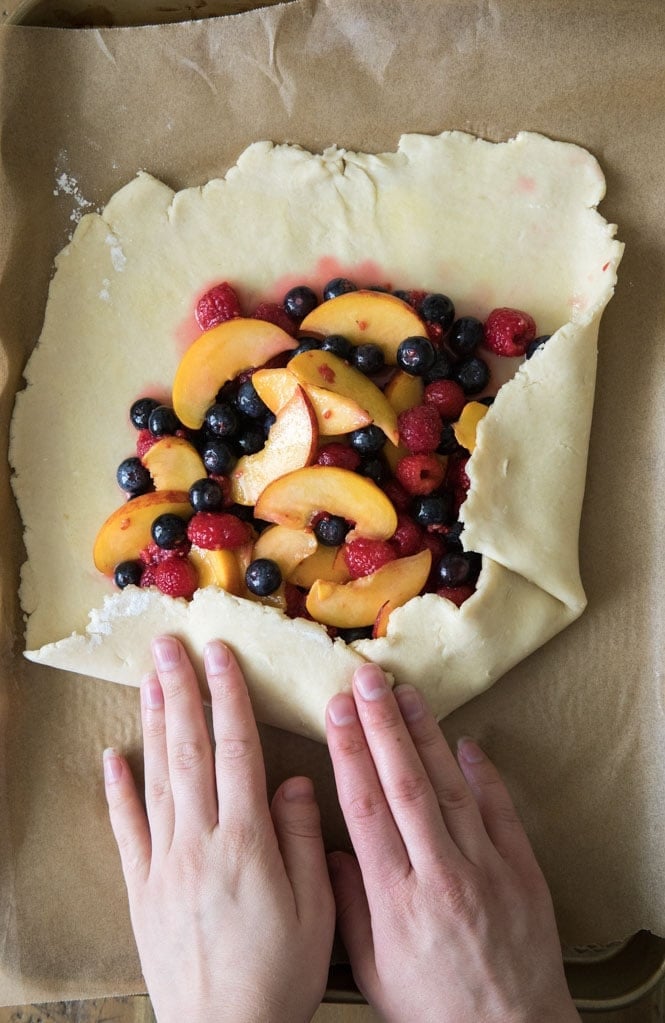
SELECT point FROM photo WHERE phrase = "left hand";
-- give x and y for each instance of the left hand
(229, 897)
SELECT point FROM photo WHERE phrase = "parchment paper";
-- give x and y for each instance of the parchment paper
(577, 729)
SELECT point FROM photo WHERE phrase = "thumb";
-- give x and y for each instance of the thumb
(353, 917)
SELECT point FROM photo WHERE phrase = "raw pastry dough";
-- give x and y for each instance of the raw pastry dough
(490, 224)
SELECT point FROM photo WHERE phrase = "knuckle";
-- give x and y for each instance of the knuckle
(463, 896)
(154, 726)
(187, 755)
(158, 790)
(350, 746)
(303, 826)
(230, 747)
(408, 789)
(366, 807)
(385, 718)
(454, 798)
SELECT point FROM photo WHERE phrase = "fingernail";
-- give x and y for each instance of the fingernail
(469, 750)
(112, 766)
(371, 682)
(410, 702)
(298, 790)
(342, 710)
(166, 652)
(216, 657)
(153, 696)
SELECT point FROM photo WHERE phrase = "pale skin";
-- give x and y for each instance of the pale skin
(443, 909)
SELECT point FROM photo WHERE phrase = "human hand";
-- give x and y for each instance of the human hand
(230, 899)
(445, 914)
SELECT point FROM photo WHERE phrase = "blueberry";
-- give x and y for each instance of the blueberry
(300, 301)
(128, 573)
(454, 538)
(437, 308)
(337, 345)
(338, 286)
(140, 411)
(454, 570)
(331, 530)
(350, 635)
(221, 420)
(448, 444)
(536, 344)
(206, 495)
(381, 288)
(466, 335)
(218, 457)
(368, 440)
(263, 576)
(487, 400)
(473, 375)
(169, 531)
(374, 469)
(133, 477)
(306, 344)
(163, 421)
(433, 509)
(441, 368)
(367, 358)
(244, 512)
(268, 422)
(248, 402)
(416, 356)
(250, 439)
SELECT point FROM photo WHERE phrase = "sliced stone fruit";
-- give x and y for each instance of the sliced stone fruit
(294, 499)
(174, 464)
(466, 426)
(220, 355)
(403, 391)
(127, 531)
(325, 370)
(335, 414)
(218, 568)
(325, 563)
(287, 547)
(291, 444)
(366, 317)
(358, 603)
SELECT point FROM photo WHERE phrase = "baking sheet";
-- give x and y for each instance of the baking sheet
(578, 728)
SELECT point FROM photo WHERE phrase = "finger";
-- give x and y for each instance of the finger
(457, 804)
(241, 776)
(128, 819)
(297, 821)
(158, 795)
(187, 740)
(353, 917)
(378, 844)
(497, 808)
(408, 789)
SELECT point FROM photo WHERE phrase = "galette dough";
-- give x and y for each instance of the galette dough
(490, 224)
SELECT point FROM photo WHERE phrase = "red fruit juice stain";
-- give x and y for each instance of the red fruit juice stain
(362, 324)
(605, 267)
(325, 269)
(327, 373)
(526, 185)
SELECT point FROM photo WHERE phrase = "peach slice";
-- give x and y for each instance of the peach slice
(466, 426)
(127, 531)
(291, 445)
(218, 568)
(326, 563)
(287, 547)
(403, 391)
(335, 414)
(358, 603)
(366, 316)
(219, 355)
(174, 464)
(323, 369)
(293, 500)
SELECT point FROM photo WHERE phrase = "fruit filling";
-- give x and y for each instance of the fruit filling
(314, 454)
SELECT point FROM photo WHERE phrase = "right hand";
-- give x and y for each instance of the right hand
(445, 913)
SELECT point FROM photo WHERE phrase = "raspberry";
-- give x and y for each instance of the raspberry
(216, 306)
(434, 543)
(434, 333)
(274, 313)
(447, 397)
(456, 474)
(216, 531)
(148, 577)
(458, 594)
(144, 442)
(341, 456)
(153, 554)
(176, 577)
(396, 493)
(420, 474)
(508, 332)
(295, 602)
(408, 537)
(415, 298)
(420, 429)
(364, 556)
